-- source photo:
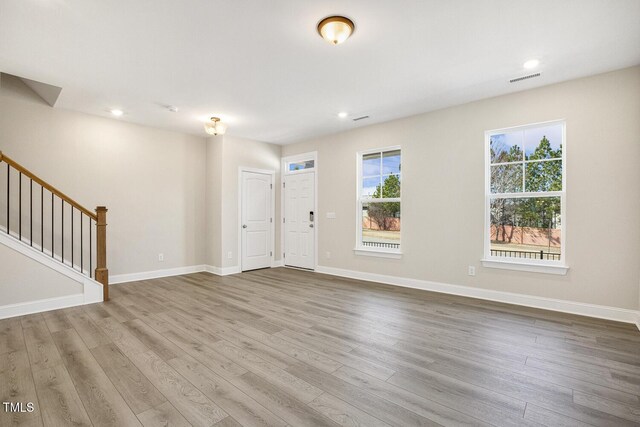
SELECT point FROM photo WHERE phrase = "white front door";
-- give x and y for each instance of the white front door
(256, 220)
(299, 220)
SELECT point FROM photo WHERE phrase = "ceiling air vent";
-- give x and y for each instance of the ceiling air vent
(519, 79)
(360, 118)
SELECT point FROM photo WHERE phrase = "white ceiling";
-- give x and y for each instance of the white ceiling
(262, 67)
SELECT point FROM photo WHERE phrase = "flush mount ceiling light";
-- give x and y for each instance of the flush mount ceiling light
(531, 64)
(215, 127)
(335, 29)
(117, 113)
(343, 114)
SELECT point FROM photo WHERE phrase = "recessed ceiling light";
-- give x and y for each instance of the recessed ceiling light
(117, 113)
(343, 114)
(335, 29)
(531, 64)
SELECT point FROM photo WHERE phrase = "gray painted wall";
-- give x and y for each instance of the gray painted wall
(443, 190)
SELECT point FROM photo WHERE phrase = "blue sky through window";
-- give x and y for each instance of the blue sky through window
(502, 145)
(532, 138)
(526, 140)
(369, 186)
(376, 167)
(371, 164)
(391, 162)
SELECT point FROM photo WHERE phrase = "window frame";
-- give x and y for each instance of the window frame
(525, 264)
(299, 158)
(368, 250)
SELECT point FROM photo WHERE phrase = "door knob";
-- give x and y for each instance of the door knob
(244, 225)
(311, 225)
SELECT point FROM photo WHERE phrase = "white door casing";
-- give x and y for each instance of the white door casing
(299, 220)
(256, 220)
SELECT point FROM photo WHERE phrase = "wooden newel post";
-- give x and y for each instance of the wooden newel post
(102, 273)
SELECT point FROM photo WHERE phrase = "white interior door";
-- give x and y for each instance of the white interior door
(299, 220)
(256, 220)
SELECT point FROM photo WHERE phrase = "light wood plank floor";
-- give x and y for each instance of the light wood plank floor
(286, 347)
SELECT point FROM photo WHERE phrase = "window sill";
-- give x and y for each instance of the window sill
(378, 253)
(558, 269)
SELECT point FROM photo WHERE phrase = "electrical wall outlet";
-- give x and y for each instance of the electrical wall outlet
(229, 255)
(472, 270)
(161, 257)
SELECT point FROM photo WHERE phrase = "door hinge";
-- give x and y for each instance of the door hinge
(271, 186)
(283, 221)
(270, 253)
(270, 219)
(283, 184)
(284, 255)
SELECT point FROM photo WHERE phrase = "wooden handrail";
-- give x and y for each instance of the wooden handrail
(17, 166)
(101, 273)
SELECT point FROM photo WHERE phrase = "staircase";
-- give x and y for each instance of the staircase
(47, 225)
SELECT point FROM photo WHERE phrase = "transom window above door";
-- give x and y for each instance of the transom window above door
(300, 166)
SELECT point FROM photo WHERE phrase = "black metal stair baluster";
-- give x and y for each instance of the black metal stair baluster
(72, 242)
(52, 227)
(31, 212)
(20, 206)
(90, 251)
(62, 229)
(41, 218)
(8, 198)
(81, 245)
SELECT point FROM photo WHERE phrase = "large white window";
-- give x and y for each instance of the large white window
(525, 198)
(378, 221)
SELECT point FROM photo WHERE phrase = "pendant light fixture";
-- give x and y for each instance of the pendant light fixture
(215, 127)
(335, 29)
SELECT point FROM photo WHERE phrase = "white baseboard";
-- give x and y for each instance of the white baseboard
(31, 307)
(583, 309)
(223, 271)
(91, 290)
(155, 274)
(277, 263)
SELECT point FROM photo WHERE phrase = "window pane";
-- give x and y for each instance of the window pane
(543, 142)
(506, 178)
(543, 176)
(296, 166)
(526, 228)
(371, 187)
(371, 164)
(391, 186)
(381, 225)
(506, 147)
(391, 162)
